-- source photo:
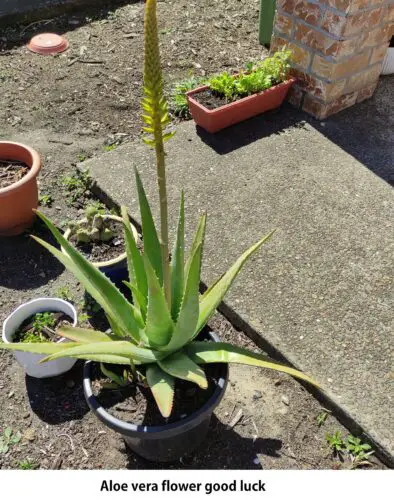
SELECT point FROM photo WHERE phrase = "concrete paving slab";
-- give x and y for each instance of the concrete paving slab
(321, 292)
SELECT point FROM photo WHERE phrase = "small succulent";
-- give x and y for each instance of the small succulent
(94, 227)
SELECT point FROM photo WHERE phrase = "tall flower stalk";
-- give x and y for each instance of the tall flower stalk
(156, 119)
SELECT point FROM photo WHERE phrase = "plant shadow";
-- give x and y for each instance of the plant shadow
(242, 134)
(25, 264)
(59, 399)
(217, 448)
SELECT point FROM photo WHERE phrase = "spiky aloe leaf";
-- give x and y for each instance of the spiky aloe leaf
(159, 324)
(39, 347)
(162, 387)
(137, 275)
(117, 348)
(181, 366)
(222, 352)
(120, 380)
(215, 295)
(178, 262)
(121, 312)
(84, 335)
(152, 248)
(198, 240)
(138, 298)
(188, 316)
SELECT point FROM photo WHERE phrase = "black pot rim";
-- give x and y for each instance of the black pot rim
(151, 432)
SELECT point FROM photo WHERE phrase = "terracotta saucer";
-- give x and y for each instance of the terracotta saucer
(47, 44)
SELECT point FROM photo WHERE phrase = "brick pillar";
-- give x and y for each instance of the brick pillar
(338, 49)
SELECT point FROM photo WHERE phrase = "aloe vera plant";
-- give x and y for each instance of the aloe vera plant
(156, 333)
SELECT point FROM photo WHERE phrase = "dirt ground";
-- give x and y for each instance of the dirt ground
(268, 418)
(71, 107)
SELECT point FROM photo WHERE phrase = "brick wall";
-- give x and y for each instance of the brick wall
(338, 48)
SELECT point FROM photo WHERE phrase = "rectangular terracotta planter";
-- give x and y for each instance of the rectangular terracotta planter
(214, 120)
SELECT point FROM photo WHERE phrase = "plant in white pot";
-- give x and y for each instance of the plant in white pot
(36, 322)
(158, 341)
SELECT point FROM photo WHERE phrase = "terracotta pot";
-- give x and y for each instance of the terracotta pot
(18, 200)
(214, 120)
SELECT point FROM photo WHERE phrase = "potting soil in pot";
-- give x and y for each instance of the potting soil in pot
(41, 327)
(101, 251)
(210, 100)
(135, 403)
(11, 171)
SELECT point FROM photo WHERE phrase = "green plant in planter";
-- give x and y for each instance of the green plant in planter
(261, 76)
(156, 334)
(92, 228)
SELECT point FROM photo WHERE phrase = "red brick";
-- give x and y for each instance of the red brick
(334, 71)
(361, 4)
(363, 21)
(283, 24)
(318, 88)
(321, 110)
(342, 5)
(308, 12)
(286, 5)
(367, 92)
(378, 53)
(374, 37)
(323, 43)
(341, 103)
(390, 13)
(333, 23)
(364, 79)
(295, 96)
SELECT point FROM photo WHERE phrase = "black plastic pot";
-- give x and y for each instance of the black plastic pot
(162, 443)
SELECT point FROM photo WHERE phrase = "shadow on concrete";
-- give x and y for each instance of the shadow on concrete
(17, 29)
(24, 263)
(365, 131)
(217, 451)
(56, 400)
(242, 134)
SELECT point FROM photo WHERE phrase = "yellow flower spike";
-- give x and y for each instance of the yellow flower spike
(156, 119)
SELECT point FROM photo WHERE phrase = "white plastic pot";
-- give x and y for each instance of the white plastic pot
(29, 361)
(388, 62)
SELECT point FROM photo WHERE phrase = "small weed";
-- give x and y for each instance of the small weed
(42, 321)
(179, 105)
(77, 184)
(64, 293)
(81, 157)
(46, 200)
(8, 438)
(335, 442)
(28, 464)
(321, 418)
(110, 147)
(357, 452)
(83, 317)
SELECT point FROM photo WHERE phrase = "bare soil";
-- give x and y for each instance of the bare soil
(268, 418)
(70, 107)
(11, 172)
(135, 403)
(210, 100)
